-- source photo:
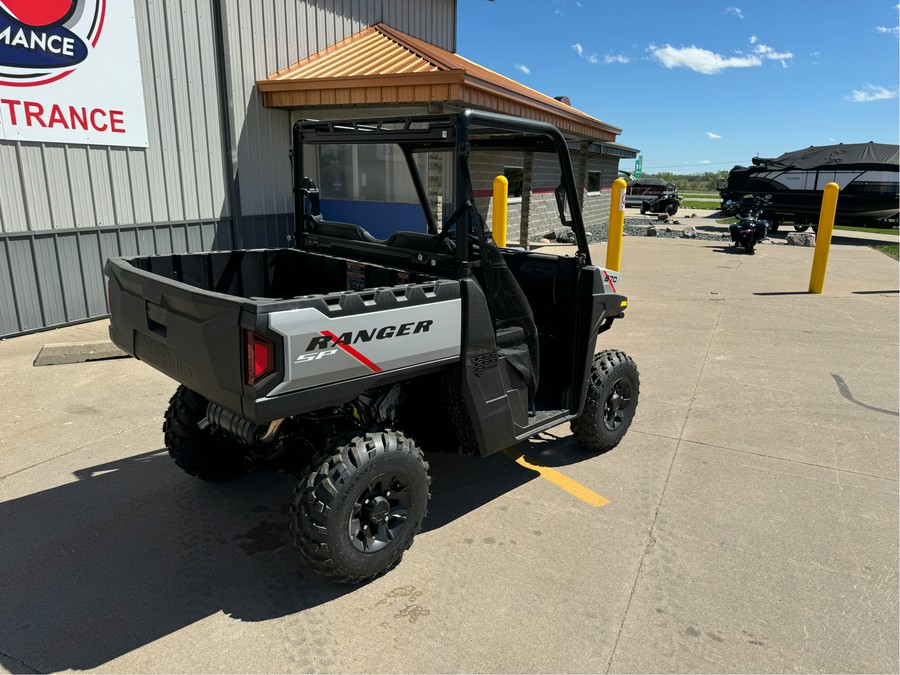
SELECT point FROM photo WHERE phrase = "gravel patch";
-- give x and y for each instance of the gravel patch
(635, 227)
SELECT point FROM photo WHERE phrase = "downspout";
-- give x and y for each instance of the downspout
(226, 115)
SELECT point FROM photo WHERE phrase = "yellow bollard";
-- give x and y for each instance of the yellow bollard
(501, 208)
(823, 238)
(616, 225)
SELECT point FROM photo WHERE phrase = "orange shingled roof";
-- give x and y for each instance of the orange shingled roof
(383, 66)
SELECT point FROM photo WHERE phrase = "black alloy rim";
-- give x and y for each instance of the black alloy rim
(617, 403)
(379, 513)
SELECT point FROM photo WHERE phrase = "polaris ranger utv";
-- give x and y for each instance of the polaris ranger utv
(341, 358)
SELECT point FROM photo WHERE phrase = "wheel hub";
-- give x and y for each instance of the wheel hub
(615, 401)
(379, 514)
(616, 404)
(376, 510)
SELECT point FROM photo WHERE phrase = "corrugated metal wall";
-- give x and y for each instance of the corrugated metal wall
(65, 209)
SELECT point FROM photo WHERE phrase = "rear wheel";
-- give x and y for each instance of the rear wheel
(356, 511)
(643, 209)
(202, 453)
(749, 245)
(610, 404)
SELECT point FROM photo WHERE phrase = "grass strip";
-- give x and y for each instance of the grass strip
(690, 204)
(892, 250)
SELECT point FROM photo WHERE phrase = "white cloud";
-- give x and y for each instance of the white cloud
(700, 60)
(753, 39)
(736, 11)
(616, 58)
(705, 161)
(895, 31)
(767, 52)
(590, 58)
(871, 92)
(710, 134)
(525, 69)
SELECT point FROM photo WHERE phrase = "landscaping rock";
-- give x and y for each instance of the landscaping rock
(689, 233)
(651, 231)
(801, 239)
(565, 237)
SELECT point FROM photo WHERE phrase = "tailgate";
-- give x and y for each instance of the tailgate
(190, 334)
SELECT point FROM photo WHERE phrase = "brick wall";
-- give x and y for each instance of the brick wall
(543, 216)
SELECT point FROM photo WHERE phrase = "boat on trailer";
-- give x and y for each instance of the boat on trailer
(867, 174)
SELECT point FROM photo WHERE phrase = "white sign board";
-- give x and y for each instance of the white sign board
(70, 72)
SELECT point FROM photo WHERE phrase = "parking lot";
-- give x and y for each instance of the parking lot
(749, 520)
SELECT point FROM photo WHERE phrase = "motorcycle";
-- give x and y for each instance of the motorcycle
(750, 228)
(667, 203)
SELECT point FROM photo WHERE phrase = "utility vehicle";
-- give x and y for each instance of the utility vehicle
(343, 357)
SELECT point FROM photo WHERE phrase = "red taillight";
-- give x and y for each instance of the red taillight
(260, 357)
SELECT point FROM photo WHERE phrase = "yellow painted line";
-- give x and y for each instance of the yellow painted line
(573, 487)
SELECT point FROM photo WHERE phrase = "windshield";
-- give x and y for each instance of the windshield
(371, 185)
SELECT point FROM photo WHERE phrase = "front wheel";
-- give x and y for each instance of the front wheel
(356, 511)
(801, 228)
(610, 403)
(772, 227)
(672, 209)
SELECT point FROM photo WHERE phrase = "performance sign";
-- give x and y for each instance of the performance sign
(70, 72)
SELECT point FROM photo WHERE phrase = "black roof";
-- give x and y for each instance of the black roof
(648, 182)
(817, 156)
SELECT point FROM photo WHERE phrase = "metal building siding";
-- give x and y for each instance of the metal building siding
(12, 204)
(80, 190)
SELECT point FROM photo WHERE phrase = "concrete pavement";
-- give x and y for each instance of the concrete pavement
(752, 524)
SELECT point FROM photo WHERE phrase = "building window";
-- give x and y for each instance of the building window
(515, 175)
(593, 182)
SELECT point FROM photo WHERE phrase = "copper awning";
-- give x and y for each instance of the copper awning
(381, 66)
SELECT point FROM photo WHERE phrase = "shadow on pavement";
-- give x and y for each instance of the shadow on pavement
(731, 250)
(134, 550)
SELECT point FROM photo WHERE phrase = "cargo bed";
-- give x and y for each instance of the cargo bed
(189, 315)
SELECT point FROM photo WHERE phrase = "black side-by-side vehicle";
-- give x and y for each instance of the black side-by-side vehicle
(342, 358)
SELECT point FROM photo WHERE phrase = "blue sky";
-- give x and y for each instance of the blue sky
(702, 85)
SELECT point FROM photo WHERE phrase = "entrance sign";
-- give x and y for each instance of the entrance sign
(70, 72)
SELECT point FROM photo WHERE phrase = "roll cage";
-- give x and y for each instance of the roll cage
(461, 133)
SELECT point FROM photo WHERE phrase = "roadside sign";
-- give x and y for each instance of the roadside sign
(639, 166)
